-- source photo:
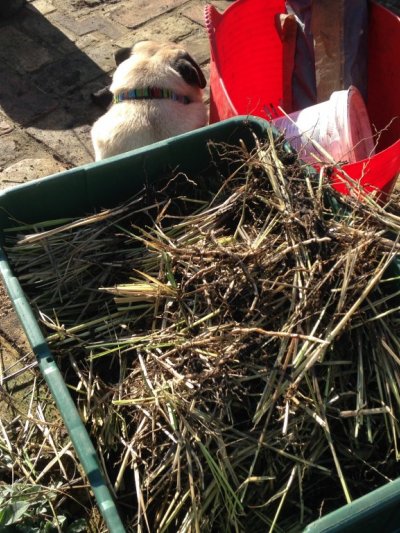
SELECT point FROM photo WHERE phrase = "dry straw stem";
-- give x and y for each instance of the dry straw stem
(36, 460)
(230, 346)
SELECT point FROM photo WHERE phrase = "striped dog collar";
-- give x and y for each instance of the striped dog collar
(149, 93)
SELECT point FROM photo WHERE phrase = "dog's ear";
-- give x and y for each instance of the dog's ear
(190, 71)
(122, 54)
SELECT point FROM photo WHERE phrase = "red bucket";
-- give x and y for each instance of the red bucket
(246, 58)
(248, 76)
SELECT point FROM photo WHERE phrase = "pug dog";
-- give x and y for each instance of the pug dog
(156, 93)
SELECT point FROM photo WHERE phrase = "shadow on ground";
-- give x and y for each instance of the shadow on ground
(42, 71)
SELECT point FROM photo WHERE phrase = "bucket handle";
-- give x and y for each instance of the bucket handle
(212, 19)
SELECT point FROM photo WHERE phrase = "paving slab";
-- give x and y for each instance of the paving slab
(45, 7)
(8, 150)
(74, 70)
(73, 147)
(138, 12)
(15, 144)
(28, 169)
(43, 29)
(5, 127)
(168, 27)
(25, 54)
(195, 10)
(88, 24)
(21, 100)
(197, 45)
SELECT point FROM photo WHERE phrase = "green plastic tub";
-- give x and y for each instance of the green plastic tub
(105, 184)
(81, 191)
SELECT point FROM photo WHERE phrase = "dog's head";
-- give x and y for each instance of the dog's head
(163, 65)
(149, 63)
